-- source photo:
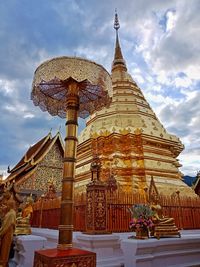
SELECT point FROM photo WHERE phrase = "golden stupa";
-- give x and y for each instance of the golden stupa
(129, 140)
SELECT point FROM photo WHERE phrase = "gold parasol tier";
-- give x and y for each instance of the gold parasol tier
(51, 81)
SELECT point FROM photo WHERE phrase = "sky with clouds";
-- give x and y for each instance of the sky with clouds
(160, 41)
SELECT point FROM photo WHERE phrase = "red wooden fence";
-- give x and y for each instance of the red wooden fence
(185, 211)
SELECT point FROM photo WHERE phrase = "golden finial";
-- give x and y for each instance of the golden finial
(118, 57)
(116, 23)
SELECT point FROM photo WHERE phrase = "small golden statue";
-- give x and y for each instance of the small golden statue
(163, 225)
(23, 218)
(6, 231)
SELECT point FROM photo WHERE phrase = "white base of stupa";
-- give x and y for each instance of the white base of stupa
(106, 247)
(116, 250)
(173, 252)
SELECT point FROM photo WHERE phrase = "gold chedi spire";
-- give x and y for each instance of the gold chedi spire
(129, 137)
(118, 58)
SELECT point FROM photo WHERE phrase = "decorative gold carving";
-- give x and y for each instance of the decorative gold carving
(74, 258)
(140, 163)
(105, 133)
(96, 201)
(137, 131)
(124, 131)
(96, 208)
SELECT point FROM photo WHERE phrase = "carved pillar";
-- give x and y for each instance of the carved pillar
(96, 216)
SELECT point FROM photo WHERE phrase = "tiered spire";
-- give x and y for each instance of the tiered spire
(118, 58)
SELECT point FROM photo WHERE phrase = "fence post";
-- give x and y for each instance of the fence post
(180, 210)
(96, 208)
(41, 210)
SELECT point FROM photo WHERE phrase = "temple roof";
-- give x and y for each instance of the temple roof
(33, 156)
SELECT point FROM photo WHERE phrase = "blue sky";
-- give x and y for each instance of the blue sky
(160, 41)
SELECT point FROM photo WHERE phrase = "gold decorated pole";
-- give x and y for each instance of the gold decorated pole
(66, 217)
(70, 87)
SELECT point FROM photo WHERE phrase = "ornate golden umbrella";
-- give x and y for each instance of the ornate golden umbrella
(70, 87)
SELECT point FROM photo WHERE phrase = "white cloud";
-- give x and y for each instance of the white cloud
(163, 79)
(148, 32)
(18, 109)
(10, 108)
(139, 78)
(136, 70)
(171, 20)
(7, 87)
(193, 71)
(188, 158)
(178, 49)
(182, 82)
(29, 116)
(189, 93)
(183, 119)
(160, 102)
(99, 55)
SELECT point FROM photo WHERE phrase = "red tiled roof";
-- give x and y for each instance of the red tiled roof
(46, 147)
(30, 153)
(36, 148)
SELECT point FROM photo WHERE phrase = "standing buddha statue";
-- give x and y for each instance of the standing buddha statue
(6, 231)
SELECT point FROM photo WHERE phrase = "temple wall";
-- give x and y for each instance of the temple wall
(50, 168)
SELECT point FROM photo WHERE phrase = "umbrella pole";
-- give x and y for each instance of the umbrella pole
(67, 200)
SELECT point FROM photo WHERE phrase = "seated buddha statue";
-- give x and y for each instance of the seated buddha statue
(23, 218)
(163, 225)
(158, 217)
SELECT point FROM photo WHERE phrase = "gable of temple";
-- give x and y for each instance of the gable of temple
(41, 163)
(129, 140)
